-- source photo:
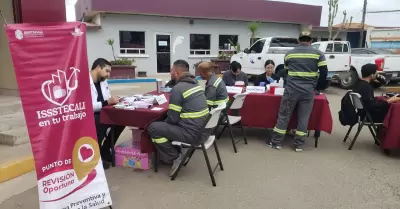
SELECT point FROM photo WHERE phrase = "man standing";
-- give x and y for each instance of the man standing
(302, 64)
(101, 97)
(186, 117)
(216, 92)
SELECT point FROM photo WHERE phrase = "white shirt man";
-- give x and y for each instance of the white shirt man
(101, 96)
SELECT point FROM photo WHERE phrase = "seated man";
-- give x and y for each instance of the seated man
(235, 74)
(186, 117)
(101, 97)
(216, 92)
(377, 108)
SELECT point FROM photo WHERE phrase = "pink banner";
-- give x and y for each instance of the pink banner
(52, 72)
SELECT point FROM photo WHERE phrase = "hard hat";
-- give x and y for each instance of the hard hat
(305, 32)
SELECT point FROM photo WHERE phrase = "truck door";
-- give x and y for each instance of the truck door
(253, 60)
(338, 56)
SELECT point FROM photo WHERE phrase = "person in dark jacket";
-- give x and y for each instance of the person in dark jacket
(235, 74)
(269, 76)
(377, 108)
(186, 117)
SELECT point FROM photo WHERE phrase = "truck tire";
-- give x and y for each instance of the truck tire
(348, 82)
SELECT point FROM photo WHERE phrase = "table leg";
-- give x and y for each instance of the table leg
(317, 134)
(112, 137)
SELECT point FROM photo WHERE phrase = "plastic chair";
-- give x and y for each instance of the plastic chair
(229, 120)
(211, 124)
(365, 119)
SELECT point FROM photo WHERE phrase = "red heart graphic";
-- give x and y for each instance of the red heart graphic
(86, 153)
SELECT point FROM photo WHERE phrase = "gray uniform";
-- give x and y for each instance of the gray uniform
(216, 92)
(186, 118)
(230, 79)
(302, 64)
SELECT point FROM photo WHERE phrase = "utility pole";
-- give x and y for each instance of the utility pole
(360, 43)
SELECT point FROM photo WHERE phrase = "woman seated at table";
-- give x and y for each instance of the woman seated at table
(269, 76)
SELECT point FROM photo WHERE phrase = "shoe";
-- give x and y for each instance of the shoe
(106, 165)
(274, 146)
(107, 157)
(298, 149)
(176, 163)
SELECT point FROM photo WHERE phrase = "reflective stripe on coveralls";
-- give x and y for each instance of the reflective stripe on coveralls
(160, 140)
(302, 65)
(218, 92)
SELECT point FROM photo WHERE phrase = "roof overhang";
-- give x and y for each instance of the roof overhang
(238, 10)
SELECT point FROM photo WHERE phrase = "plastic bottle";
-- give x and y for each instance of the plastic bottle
(281, 83)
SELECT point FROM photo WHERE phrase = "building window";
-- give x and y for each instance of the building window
(132, 42)
(227, 43)
(200, 44)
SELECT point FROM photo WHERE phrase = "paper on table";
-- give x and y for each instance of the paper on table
(157, 108)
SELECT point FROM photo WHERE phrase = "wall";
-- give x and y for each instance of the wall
(8, 83)
(113, 23)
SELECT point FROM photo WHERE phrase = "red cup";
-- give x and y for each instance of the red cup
(272, 89)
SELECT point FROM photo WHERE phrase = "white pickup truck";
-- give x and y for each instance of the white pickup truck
(337, 54)
(388, 65)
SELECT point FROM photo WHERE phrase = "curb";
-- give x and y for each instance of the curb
(15, 168)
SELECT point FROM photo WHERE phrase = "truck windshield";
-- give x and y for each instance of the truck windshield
(284, 42)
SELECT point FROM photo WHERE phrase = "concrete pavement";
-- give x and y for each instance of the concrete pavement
(329, 177)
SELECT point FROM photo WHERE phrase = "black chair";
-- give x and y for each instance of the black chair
(365, 119)
(211, 124)
(228, 120)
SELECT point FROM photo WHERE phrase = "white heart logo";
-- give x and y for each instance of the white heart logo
(59, 89)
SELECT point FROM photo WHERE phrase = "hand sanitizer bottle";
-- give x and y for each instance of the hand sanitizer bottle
(281, 82)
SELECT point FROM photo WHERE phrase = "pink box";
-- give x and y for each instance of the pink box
(127, 155)
(136, 137)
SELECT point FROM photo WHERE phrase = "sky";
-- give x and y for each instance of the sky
(353, 8)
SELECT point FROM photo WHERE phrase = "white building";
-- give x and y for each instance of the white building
(156, 41)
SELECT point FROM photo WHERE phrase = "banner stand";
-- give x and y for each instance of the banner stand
(59, 113)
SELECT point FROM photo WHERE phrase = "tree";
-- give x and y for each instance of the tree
(344, 26)
(253, 28)
(333, 10)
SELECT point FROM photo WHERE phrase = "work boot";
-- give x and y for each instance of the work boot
(298, 148)
(274, 146)
(177, 161)
(106, 165)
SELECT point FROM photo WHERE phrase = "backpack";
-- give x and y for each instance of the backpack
(347, 114)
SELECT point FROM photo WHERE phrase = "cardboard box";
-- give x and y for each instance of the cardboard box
(128, 155)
